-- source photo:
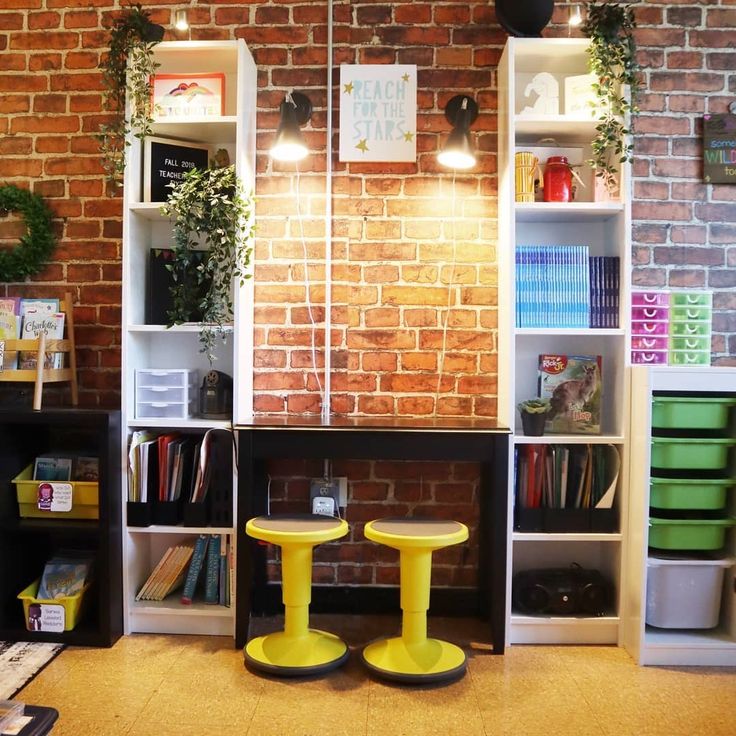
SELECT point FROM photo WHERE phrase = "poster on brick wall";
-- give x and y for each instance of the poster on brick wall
(719, 149)
(378, 112)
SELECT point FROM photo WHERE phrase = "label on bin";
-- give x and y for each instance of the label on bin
(55, 496)
(46, 617)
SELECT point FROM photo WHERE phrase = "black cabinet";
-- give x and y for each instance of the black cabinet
(26, 543)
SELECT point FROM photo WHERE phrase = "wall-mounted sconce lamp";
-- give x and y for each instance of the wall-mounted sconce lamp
(181, 22)
(576, 16)
(296, 109)
(458, 152)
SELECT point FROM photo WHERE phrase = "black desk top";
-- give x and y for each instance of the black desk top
(379, 424)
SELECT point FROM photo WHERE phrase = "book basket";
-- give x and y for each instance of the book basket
(40, 347)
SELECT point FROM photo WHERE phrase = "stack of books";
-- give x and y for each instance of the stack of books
(26, 319)
(168, 574)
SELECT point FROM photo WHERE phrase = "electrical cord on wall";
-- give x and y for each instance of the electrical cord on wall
(307, 283)
(450, 290)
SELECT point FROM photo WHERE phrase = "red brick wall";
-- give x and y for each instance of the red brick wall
(397, 228)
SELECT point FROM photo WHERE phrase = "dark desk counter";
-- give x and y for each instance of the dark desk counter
(368, 438)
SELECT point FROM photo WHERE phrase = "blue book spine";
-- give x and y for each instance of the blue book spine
(213, 570)
(195, 568)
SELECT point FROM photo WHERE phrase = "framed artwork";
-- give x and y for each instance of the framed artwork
(378, 112)
(165, 161)
(183, 96)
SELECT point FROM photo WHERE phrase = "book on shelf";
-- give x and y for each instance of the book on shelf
(65, 575)
(168, 574)
(194, 572)
(558, 476)
(572, 383)
(223, 577)
(9, 329)
(86, 469)
(33, 324)
(552, 286)
(604, 291)
(47, 467)
(212, 572)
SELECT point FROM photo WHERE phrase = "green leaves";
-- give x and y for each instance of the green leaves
(612, 58)
(39, 241)
(126, 76)
(210, 210)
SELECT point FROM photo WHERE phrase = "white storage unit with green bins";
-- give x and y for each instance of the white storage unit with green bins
(681, 603)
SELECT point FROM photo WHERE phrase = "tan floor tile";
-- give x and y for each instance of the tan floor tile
(69, 726)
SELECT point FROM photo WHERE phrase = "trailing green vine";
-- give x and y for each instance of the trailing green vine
(612, 58)
(126, 75)
(39, 241)
(210, 209)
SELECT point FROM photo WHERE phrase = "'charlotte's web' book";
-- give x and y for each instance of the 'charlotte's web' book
(33, 324)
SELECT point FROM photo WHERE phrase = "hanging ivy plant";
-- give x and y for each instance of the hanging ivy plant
(126, 75)
(210, 210)
(30, 254)
(612, 58)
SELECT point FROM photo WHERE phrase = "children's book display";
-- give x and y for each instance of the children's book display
(26, 326)
(572, 383)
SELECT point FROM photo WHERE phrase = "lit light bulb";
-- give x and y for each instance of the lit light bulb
(181, 22)
(576, 16)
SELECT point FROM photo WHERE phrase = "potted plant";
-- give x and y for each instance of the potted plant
(534, 415)
(211, 211)
(612, 58)
(126, 76)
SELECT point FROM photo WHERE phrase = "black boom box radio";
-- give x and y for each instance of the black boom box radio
(562, 590)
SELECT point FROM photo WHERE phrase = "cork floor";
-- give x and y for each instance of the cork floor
(154, 685)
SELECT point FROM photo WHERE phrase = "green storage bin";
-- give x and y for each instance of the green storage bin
(689, 493)
(688, 534)
(690, 314)
(690, 343)
(691, 298)
(677, 412)
(687, 453)
(689, 357)
(690, 329)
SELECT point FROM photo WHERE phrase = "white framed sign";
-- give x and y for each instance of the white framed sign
(378, 112)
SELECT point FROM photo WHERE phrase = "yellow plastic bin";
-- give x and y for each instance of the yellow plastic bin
(34, 613)
(85, 498)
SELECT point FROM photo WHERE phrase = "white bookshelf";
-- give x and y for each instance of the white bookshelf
(158, 347)
(605, 228)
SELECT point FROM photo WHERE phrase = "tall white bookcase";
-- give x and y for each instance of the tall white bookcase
(605, 228)
(156, 347)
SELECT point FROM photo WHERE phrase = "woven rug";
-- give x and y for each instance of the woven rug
(20, 662)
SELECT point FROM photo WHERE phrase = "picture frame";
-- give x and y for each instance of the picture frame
(186, 96)
(165, 161)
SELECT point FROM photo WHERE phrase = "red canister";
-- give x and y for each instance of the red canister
(557, 180)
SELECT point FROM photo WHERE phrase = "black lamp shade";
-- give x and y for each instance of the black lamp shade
(524, 17)
(289, 144)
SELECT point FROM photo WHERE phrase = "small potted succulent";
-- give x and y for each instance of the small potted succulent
(534, 415)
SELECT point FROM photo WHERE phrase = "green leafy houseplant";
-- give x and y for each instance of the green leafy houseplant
(612, 58)
(534, 406)
(211, 210)
(126, 76)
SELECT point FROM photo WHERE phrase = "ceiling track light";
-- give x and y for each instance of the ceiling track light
(459, 152)
(181, 21)
(296, 110)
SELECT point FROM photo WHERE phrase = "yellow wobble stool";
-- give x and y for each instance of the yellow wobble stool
(297, 650)
(413, 657)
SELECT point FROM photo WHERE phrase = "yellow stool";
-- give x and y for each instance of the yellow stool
(297, 650)
(413, 657)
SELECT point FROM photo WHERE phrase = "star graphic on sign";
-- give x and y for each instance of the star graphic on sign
(405, 77)
(408, 136)
(348, 88)
(363, 145)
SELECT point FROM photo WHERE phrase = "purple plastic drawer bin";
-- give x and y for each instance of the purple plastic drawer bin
(650, 313)
(641, 342)
(650, 298)
(649, 357)
(648, 328)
